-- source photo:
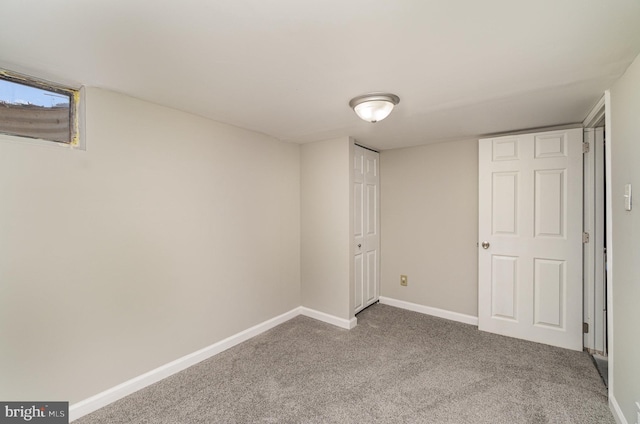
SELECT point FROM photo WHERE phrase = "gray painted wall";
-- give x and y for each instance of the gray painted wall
(169, 233)
(429, 216)
(625, 168)
(326, 226)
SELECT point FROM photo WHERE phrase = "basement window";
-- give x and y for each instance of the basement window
(37, 109)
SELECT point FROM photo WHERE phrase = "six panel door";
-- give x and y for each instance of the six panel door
(530, 244)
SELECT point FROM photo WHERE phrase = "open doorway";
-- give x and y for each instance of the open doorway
(595, 248)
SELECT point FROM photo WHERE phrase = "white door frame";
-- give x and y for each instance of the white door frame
(594, 206)
(609, 226)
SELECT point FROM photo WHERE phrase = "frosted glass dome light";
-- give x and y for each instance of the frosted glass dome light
(374, 107)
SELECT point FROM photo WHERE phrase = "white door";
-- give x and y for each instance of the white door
(366, 224)
(530, 237)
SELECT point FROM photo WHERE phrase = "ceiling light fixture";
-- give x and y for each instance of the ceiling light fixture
(374, 107)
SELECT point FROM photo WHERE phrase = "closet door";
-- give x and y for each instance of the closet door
(366, 224)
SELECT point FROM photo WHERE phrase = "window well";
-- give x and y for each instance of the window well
(36, 109)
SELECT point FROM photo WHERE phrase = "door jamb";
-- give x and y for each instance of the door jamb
(593, 251)
(588, 249)
(602, 110)
(609, 229)
(593, 202)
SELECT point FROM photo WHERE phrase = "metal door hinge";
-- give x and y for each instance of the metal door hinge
(585, 327)
(585, 237)
(585, 147)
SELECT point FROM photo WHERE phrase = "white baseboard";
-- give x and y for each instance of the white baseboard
(330, 319)
(113, 394)
(428, 310)
(616, 411)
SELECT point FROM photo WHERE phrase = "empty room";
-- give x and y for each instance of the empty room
(407, 211)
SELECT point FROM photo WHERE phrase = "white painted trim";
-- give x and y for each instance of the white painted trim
(616, 411)
(588, 249)
(593, 252)
(428, 310)
(113, 394)
(600, 316)
(595, 115)
(330, 319)
(609, 225)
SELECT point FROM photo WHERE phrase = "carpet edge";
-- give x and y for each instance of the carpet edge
(128, 387)
(428, 310)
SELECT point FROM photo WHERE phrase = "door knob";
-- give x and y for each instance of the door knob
(359, 245)
(485, 244)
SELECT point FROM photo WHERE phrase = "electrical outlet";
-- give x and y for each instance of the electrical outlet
(403, 280)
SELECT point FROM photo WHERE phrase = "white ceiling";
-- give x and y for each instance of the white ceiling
(288, 68)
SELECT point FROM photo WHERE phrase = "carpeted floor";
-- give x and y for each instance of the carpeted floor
(396, 366)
